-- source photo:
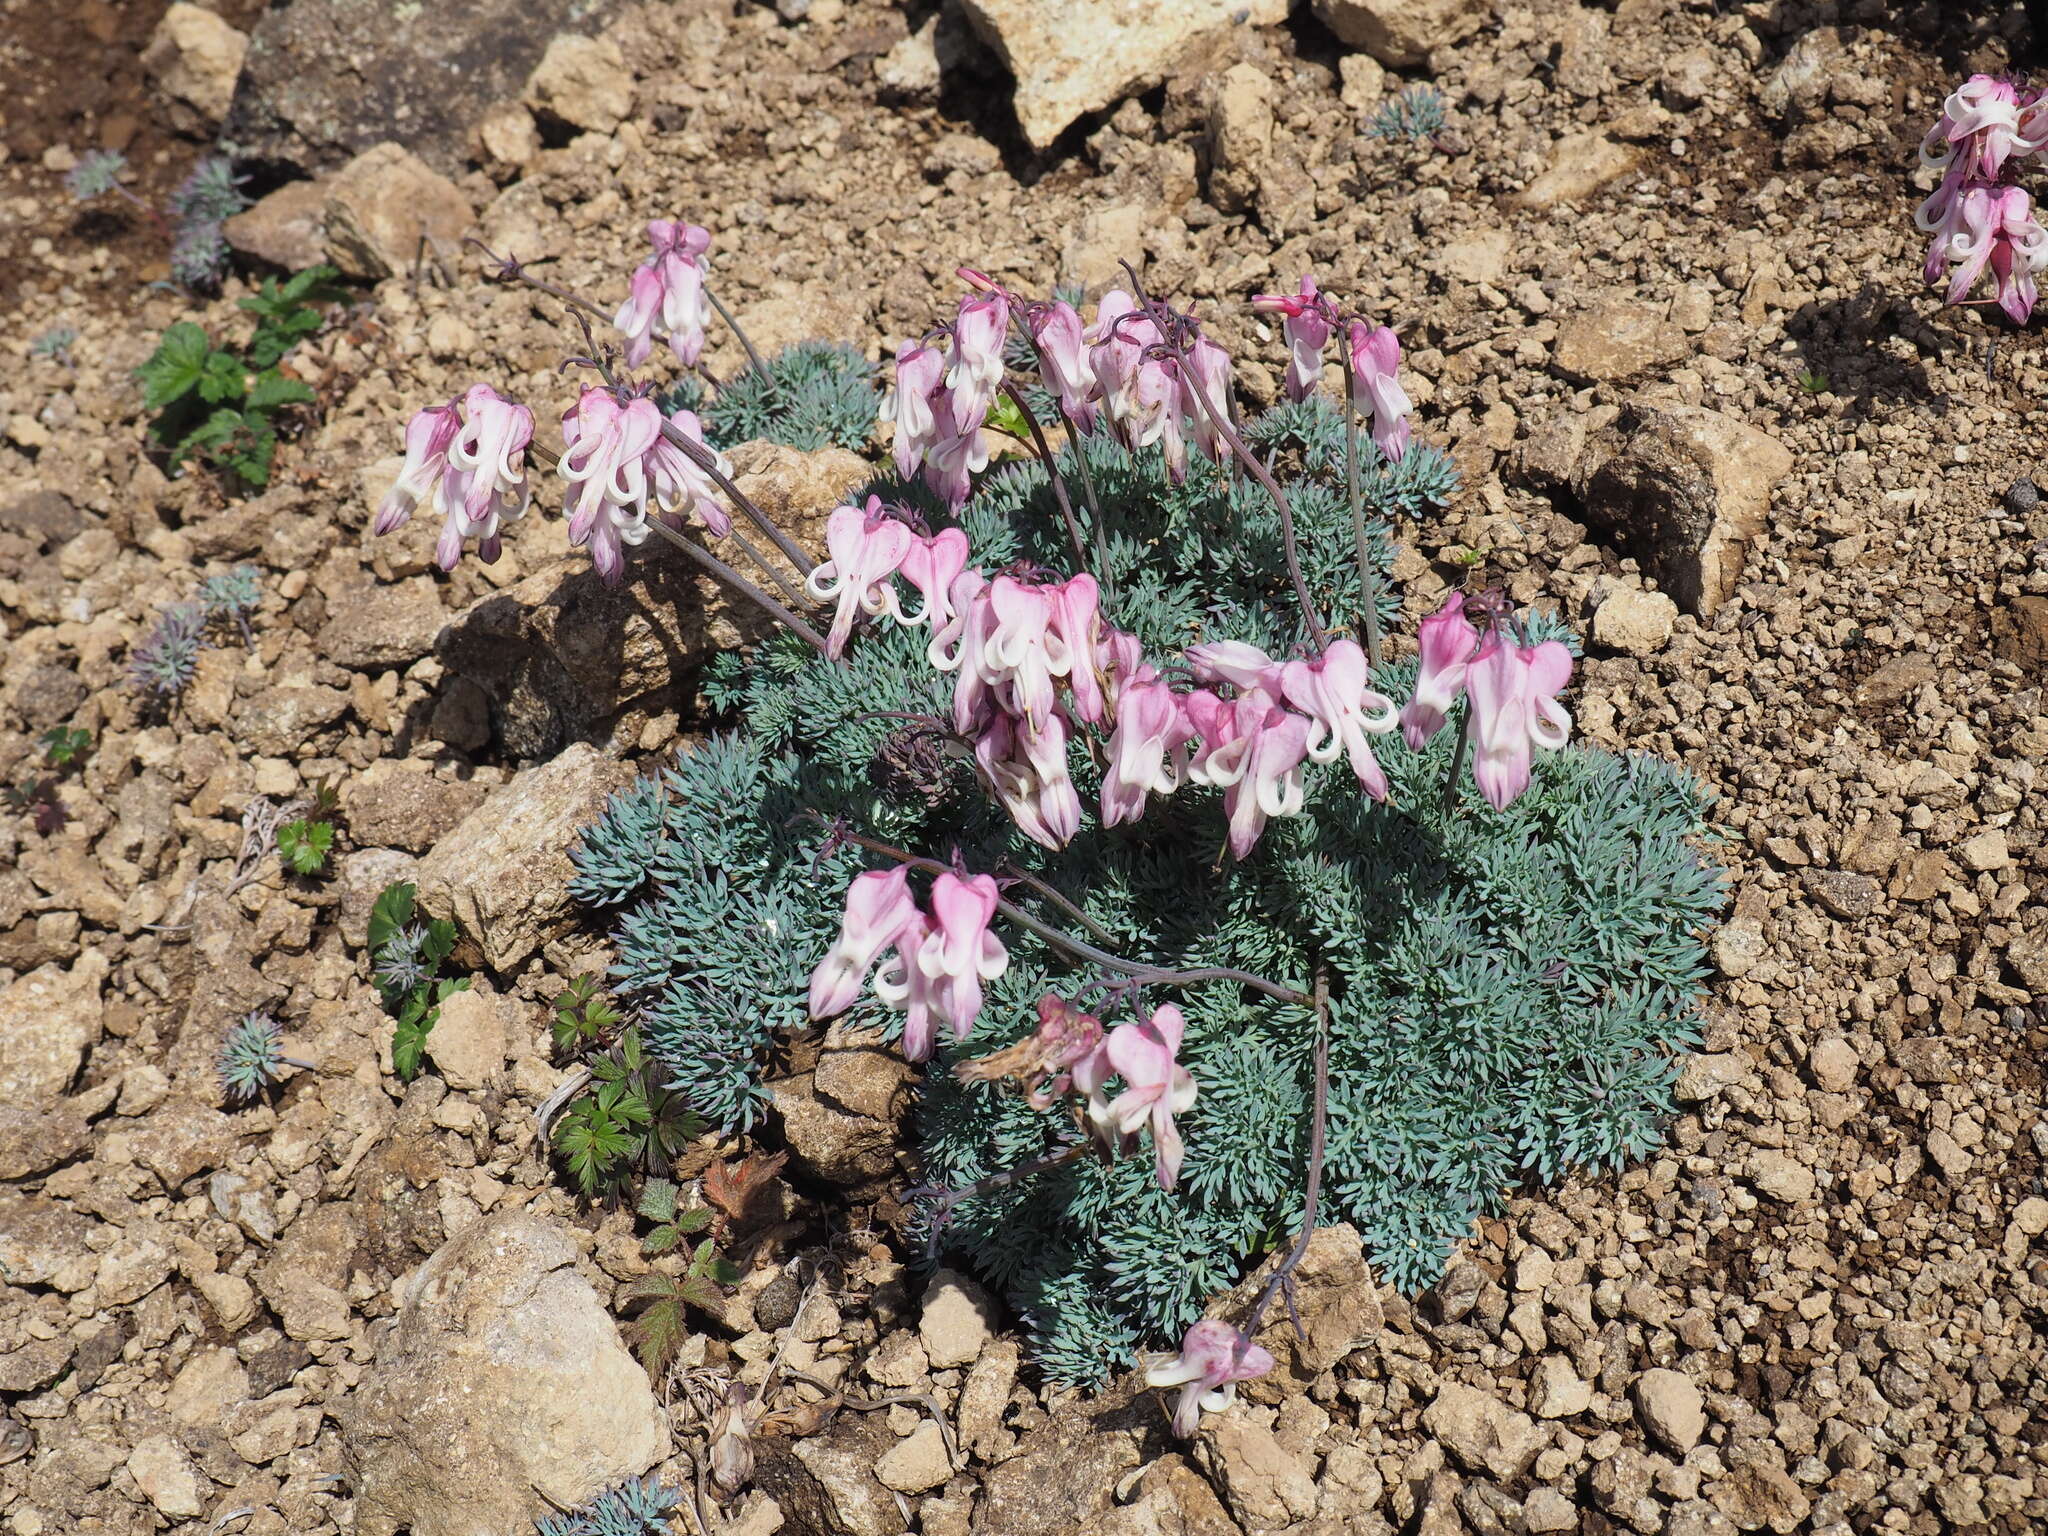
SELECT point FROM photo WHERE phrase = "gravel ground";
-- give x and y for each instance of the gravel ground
(1823, 1306)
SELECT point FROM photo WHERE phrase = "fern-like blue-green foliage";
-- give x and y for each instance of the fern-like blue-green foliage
(817, 395)
(1507, 989)
(636, 1507)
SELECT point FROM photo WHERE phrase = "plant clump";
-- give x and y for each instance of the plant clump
(252, 1058)
(639, 1506)
(812, 395)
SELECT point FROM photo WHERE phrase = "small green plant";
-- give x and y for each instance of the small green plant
(659, 1331)
(232, 597)
(37, 796)
(1814, 382)
(252, 1058)
(203, 201)
(1417, 115)
(221, 406)
(161, 665)
(582, 1017)
(55, 343)
(303, 845)
(636, 1507)
(629, 1121)
(405, 966)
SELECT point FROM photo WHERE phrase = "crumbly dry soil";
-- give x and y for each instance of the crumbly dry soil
(1833, 1244)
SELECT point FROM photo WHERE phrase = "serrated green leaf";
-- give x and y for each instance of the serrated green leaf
(174, 369)
(659, 1241)
(304, 845)
(448, 986)
(695, 1219)
(658, 1200)
(221, 378)
(273, 390)
(390, 912)
(409, 1043)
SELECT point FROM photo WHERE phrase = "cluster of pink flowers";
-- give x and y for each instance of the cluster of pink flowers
(1512, 689)
(1976, 218)
(669, 287)
(1372, 361)
(470, 457)
(939, 960)
(941, 399)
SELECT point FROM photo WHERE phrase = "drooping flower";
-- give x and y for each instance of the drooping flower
(1135, 388)
(866, 549)
(1147, 750)
(1252, 750)
(604, 458)
(1213, 1358)
(428, 436)
(1995, 227)
(914, 404)
(1979, 128)
(879, 907)
(1376, 387)
(1205, 396)
(960, 953)
(1237, 662)
(1335, 691)
(932, 565)
(1027, 769)
(1156, 1088)
(1306, 324)
(1063, 359)
(974, 362)
(668, 286)
(486, 485)
(1042, 1063)
(1448, 642)
(1022, 649)
(1076, 622)
(1515, 710)
(679, 481)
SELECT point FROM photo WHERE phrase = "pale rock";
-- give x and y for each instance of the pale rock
(1634, 623)
(507, 141)
(388, 211)
(2030, 1216)
(909, 71)
(916, 1463)
(582, 81)
(212, 1382)
(49, 1019)
(286, 228)
(2028, 955)
(957, 1322)
(1842, 893)
(168, 1479)
(1672, 1408)
(1556, 1391)
(195, 58)
(1240, 137)
(1688, 78)
(1614, 340)
(232, 1298)
(1336, 1299)
(501, 1390)
(503, 875)
(899, 1361)
(1685, 490)
(1073, 57)
(181, 1139)
(1799, 85)
(813, 312)
(398, 803)
(1987, 851)
(39, 1239)
(1948, 1155)
(1580, 165)
(1549, 1509)
(1781, 1176)
(136, 1265)
(1264, 1485)
(1759, 1496)
(1481, 1432)
(1705, 1074)
(841, 1120)
(1834, 1063)
(1364, 83)
(1480, 257)
(985, 1398)
(844, 1498)
(307, 1307)
(1738, 946)
(275, 1434)
(1402, 33)
(468, 1040)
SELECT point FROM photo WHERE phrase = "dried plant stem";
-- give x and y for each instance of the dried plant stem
(512, 270)
(1052, 470)
(753, 357)
(1368, 583)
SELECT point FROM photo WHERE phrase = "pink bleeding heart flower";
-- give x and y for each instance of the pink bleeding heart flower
(1213, 1358)
(1076, 620)
(1063, 360)
(1237, 662)
(1156, 1088)
(1448, 642)
(960, 953)
(428, 437)
(1306, 324)
(879, 907)
(1982, 120)
(1205, 396)
(1376, 387)
(604, 458)
(974, 362)
(1118, 342)
(489, 456)
(932, 565)
(1514, 710)
(1022, 649)
(1147, 750)
(679, 482)
(950, 465)
(1027, 769)
(1995, 227)
(915, 403)
(1335, 692)
(867, 547)
(668, 286)
(1253, 752)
